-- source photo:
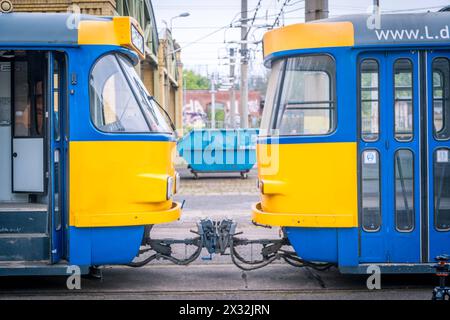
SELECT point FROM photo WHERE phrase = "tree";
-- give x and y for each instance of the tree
(195, 81)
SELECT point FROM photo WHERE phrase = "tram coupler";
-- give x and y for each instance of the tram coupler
(220, 237)
(442, 292)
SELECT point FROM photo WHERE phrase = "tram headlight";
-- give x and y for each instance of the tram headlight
(169, 192)
(137, 39)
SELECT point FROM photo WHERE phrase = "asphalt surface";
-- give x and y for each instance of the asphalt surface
(218, 196)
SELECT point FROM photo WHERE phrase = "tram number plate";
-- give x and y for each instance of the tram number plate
(442, 156)
(370, 157)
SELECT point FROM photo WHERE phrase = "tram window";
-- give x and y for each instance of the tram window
(403, 106)
(370, 185)
(404, 190)
(307, 103)
(22, 108)
(441, 109)
(29, 94)
(113, 105)
(369, 100)
(442, 189)
(158, 121)
(273, 86)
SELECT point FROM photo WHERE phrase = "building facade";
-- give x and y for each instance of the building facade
(161, 71)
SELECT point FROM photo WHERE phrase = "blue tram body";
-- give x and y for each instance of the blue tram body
(354, 147)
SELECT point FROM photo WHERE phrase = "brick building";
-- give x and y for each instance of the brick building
(197, 108)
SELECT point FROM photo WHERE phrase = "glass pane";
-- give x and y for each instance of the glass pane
(307, 98)
(441, 113)
(370, 184)
(57, 188)
(403, 83)
(442, 189)
(369, 100)
(404, 190)
(299, 121)
(157, 121)
(273, 86)
(56, 78)
(22, 104)
(113, 105)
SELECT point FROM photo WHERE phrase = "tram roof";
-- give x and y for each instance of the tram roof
(44, 29)
(430, 28)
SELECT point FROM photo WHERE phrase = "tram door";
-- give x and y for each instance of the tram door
(438, 152)
(404, 157)
(389, 151)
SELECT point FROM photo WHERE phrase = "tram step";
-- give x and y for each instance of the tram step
(24, 247)
(18, 222)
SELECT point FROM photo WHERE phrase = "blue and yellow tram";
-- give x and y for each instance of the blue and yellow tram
(86, 155)
(354, 149)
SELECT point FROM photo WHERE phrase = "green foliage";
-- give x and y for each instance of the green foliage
(195, 81)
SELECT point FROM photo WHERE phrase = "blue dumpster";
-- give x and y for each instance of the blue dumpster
(219, 150)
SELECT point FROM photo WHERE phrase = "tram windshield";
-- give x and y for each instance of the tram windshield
(301, 97)
(119, 100)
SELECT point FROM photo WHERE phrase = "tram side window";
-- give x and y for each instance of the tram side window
(369, 100)
(441, 109)
(307, 103)
(404, 190)
(403, 87)
(370, 185)
(114, 107)
(442, 189)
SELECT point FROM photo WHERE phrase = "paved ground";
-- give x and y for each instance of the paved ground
(217, 196)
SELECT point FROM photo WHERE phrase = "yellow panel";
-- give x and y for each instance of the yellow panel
(309, 185)
(309, 35)
(111, 32)
(120, 183)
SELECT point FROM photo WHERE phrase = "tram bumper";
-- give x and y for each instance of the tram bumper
(315, 237)
(280, 219)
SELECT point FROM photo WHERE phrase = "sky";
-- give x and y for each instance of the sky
(202, 35)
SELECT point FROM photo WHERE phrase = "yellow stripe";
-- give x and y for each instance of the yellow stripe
(309, 35)
(119, 183)
(310, 185)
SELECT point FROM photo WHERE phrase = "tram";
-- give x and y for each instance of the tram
(354, 146)
(86, 154)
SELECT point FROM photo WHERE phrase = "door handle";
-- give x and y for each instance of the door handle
(14, 155)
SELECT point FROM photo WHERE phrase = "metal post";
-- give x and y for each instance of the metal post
(244, 65)
(213, 102)
(316, 9)
(232, 92)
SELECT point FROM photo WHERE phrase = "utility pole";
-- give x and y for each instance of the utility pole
(213, 102)
(244, 65)
(316, 9)
(232, 92)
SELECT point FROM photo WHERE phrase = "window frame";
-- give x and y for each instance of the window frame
(133, 92)
(413, 226)
(413, 102)
(435, 212)
(380, 185)
(444, 98)
(333, 89)
(361, 100)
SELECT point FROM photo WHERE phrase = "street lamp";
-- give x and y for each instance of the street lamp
(181, 15)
